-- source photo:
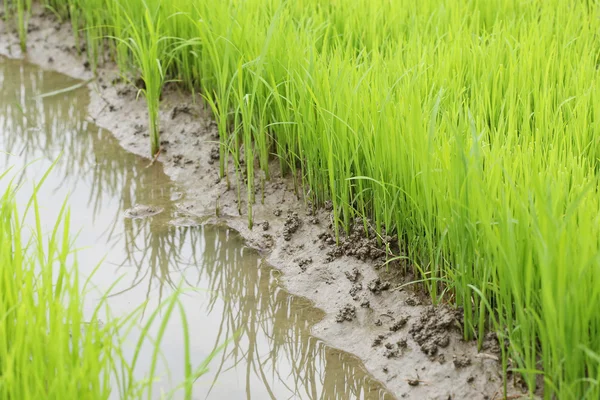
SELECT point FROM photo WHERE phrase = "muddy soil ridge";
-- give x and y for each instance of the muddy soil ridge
(415, 349)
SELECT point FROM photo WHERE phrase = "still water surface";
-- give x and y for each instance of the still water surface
(231, 289)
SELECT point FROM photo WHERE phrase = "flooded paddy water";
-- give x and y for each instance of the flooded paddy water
(127, 217)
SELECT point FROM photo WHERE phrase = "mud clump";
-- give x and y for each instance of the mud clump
(214, 155)
(431, 330)
(378, 340)
(401, 323)
(412, 301)
(334, 253)
(363, 242)
(377, 286)
(391, 351)
(357, 287)
(268, 240)
(124, 91)
(461, 362)
(346, 313)
(292, 224)
(353, 275)
(303, 263)
(142, 211)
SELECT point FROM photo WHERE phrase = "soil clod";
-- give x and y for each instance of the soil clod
(432, 328)
(461, 361)
(399, 324)
(378, 340)
(391, 352)
(353, 275)
(292, 223)
(303, 263)
(214, 155)
(412, 301)
(357, 287)
(377, 286)
(346, 313)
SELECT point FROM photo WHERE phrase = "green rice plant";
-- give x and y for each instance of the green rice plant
(217, 51)
(246, 105)
(23, 10)
(48, 348)
(149, 48)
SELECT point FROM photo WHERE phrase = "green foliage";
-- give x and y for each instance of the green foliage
(47, 348)
(468, 127)
(20, 10)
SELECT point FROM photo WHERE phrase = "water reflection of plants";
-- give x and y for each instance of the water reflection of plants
(256, 305)
(46, 127)
(274, 326)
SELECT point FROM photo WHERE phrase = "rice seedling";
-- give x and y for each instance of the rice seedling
(467, 128)
(149, 48)
(48, 348)
(23, 9)
(146, 51)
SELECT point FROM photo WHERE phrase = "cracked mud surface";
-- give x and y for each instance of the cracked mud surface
(416, 350)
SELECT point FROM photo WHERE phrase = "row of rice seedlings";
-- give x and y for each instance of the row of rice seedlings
(467, 128)
(48, 349)
(147, 44)
(139, 45)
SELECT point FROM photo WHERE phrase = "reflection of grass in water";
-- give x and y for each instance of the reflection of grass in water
(254, 303)
(154, 250)
(57, 124)
(47, 348)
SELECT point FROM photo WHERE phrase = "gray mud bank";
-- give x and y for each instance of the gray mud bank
(414, 349)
